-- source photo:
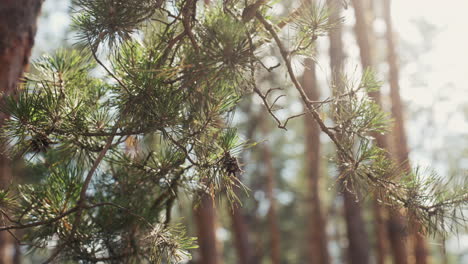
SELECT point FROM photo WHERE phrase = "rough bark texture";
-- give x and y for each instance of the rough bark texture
(272, 212)
(318, 241)
(358, 243)
(17, 31)
(399, 136)
(205, 219)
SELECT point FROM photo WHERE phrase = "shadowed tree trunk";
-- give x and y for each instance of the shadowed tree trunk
(269, 174)
(318, 241)
(358, 244)
(205, 220)
(401, 146)
(17, 30)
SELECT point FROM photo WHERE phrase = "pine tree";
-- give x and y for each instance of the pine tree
(71, 124)
(164, 75)
(358, 243)
(17, 32)
(206, 219)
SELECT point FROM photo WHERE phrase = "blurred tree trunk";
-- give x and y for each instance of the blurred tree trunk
(240, 231)
(395, 224)
(358, 244)
(383, 217)
(238, 219)
(318, 241)
(381, 233)
(17, 30)
(270, 174)
(400, 144)
(205, 220)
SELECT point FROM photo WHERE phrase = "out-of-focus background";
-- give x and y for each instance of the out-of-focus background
(273, 223)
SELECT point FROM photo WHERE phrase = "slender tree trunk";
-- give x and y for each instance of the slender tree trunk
(382, 217)
(380, 212)
(358, 243)
(318, 241)
(272, 212)
(396, 227)
(358, 248)
(238, 220)
(401, 146)
(240, 231)
(381, 233)
(17, 31)
(205, 219)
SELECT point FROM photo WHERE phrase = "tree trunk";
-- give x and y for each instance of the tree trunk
(240, 226)
(318, 241)
(358, 244)
(17, 31)
(270, 173)
(396, 226)
(381, 233)
(205, 219)
(383, 218)
(401, 146)
(240, 231)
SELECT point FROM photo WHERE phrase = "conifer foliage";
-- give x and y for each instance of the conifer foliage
(160, 77)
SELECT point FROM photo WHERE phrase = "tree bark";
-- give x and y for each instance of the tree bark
(17, 30)
(400, 143)
(358, 243)
(270, 174)
(205, 219)
(318, 241)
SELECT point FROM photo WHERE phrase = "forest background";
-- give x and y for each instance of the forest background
(433, 69)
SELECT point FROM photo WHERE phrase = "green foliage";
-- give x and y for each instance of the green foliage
(111, 21)
(119, 135)
(367, 169)
(443, 200)
(56, 195)
(312, 21)
(169, 243)
(149, 126)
